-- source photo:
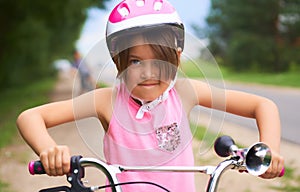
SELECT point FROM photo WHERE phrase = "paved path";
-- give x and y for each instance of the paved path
(288, 101)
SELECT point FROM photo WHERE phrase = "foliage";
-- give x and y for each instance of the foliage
(15, 100)
(34, 33)
(289, 30)
(246, 52)
(255, 35)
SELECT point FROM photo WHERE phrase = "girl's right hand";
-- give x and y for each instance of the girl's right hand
(56, 160)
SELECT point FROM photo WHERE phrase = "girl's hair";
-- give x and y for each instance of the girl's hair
(163, 44)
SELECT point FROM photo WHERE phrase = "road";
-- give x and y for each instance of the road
(288, 101)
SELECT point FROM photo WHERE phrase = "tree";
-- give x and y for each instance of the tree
(34, 33)
(289, 30)
(245, 33)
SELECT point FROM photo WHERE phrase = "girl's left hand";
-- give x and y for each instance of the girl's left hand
(277, 165)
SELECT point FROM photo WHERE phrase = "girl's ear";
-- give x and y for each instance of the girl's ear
(179, 51)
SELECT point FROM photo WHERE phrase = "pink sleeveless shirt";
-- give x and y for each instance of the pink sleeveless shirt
(161, 137)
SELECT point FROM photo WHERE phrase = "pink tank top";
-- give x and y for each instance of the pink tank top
(161, 137)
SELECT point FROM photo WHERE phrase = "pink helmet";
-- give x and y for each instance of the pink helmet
(134, 15)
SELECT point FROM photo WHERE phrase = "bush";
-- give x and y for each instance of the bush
(248, 51)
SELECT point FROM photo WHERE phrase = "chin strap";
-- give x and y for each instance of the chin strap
(146, 107)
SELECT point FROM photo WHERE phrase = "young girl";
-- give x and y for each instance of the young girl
(145, 116)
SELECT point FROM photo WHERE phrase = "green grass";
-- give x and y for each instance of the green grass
(208, 137)
(201, 69)
(286, 79)
(202, 134)
(15, 100)
(102, 85)
(291, 181)
(4, 187)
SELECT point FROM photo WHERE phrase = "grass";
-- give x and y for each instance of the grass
(12, 102)
(208, 137)
(15, 100)
(202, 69)
(286, 79)
(4, 187)
(291, 181)
(202, 134)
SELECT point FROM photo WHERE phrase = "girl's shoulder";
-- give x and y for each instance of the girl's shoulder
(185, 86)
(104, 91)
(186, 90)
(104, 96)
(194, 86)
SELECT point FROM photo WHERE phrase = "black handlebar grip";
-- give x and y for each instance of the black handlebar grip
(36, 167)
(222, 145)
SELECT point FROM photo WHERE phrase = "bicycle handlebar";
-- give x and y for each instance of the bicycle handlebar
(36, 168)
(225, 146)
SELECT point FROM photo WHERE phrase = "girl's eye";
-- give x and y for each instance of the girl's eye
(135, 62)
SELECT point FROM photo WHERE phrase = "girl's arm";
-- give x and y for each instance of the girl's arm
(248, 105)
(33, 124)
(267, 118)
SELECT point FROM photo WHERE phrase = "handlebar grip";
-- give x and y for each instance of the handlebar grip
(282, 172)
(36, 167)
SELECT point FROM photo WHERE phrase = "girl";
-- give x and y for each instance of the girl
(146, 115)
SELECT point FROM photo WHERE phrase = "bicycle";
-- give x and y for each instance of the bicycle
(255, 160)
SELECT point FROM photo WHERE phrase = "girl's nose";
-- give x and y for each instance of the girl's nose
(148, 70)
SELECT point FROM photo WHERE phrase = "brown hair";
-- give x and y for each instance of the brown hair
(163, 45)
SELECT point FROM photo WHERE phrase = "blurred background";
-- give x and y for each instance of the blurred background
(252, 41)
(256, 36)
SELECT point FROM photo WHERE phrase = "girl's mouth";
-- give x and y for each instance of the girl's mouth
(148, 84)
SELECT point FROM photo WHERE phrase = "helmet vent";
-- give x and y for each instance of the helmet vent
(158, 5)
(140, 3)
(124, 12)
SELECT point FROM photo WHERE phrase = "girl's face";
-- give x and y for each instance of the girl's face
(143, 75)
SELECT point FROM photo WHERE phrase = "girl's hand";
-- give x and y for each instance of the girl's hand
(277, 164)
(56, 160)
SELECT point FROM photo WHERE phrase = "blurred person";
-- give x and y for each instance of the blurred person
(87, 82)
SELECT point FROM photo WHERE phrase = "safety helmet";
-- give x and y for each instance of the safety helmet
(131, 16)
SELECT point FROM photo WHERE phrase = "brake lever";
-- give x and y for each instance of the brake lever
(75, 176)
